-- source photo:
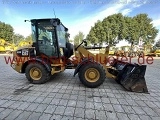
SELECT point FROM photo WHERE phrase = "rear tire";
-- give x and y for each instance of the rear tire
(37, 73)
(92, 75)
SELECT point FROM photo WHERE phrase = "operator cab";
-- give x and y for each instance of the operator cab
(50, 37)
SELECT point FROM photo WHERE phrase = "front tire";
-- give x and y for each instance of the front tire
(37, 73)
(92, 75)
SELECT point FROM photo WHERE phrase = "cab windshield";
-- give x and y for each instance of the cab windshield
(61, 34)
(46, 32)
(47, 38)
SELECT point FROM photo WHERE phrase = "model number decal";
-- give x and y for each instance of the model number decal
(25, 52)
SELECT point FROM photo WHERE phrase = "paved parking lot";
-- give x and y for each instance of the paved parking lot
(65, 98)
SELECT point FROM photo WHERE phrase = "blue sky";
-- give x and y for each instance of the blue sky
(77, 15)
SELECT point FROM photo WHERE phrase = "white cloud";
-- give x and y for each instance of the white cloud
(23, 28)
(126, 11)
(85, 24)
(157, 38)
(16, 20)
(136, 3)
(156, 22)
(25, 31)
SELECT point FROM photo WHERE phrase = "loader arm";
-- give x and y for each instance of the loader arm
(101, 58)
(84, 53)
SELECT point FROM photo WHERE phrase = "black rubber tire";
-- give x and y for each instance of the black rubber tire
(45, 73)
(98, 67)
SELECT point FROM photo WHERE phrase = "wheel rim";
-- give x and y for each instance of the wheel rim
(92, 75)
(35, 73)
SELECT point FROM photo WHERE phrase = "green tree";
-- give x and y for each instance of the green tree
(145, 29)
(99, 32)
(29, 39)
(17, 38)
(117, 27)
(6, 32)
(78, 38)
(2, 42)
(91, 37)
(131, 30)
(114, 27)
(109, 30)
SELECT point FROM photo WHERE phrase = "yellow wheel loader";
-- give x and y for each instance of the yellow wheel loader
(52, 53)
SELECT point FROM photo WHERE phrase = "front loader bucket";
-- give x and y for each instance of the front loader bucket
(131, 76)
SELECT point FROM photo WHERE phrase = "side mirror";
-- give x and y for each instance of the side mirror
(67, 35)
(27, 20)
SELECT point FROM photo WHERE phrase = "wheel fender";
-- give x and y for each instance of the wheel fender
(84, 61)
(33, 60)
